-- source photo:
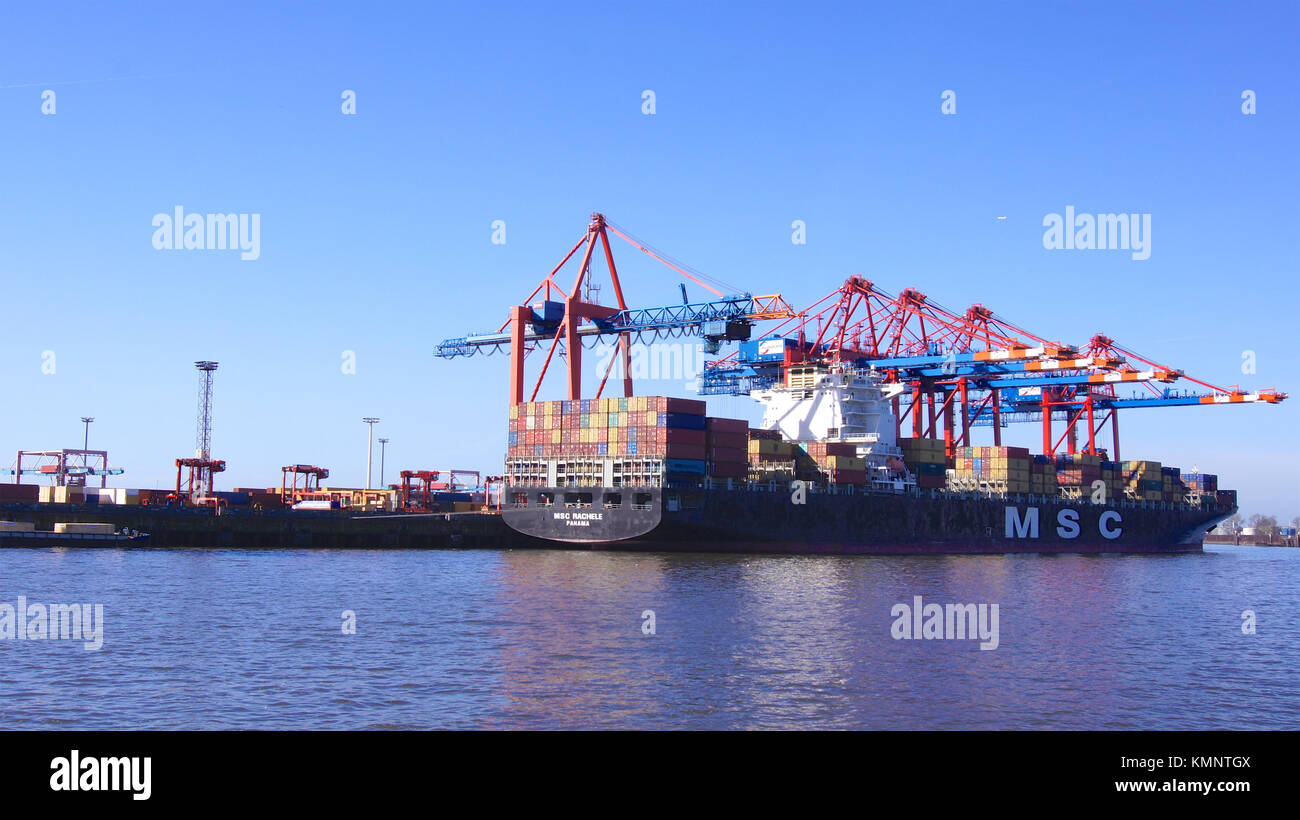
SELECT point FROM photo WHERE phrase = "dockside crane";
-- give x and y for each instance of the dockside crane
(955, 370)
(963, 370)
(561, 319)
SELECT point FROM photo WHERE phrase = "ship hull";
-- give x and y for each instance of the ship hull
(751, 521)
(41, 539)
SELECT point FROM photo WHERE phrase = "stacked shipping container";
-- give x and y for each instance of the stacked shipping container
(1173, 488)
(771, 458)
(632, 441)
(926, 459)
(726, 453)
(1010, 468)
(1203, 483)
(632, 426)
(1042, 476)
(829, 461)
(1078, 470)
(1144, 480)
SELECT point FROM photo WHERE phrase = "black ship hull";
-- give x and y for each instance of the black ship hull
(777, 521)
(42, 539)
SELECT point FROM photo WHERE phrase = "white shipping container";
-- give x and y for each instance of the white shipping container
(84, 529)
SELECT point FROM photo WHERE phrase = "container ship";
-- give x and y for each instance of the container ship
(826, 473)
(828, 470)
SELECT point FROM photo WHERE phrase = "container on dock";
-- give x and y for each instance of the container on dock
(20, 492)
(62, 495)
(83, 528)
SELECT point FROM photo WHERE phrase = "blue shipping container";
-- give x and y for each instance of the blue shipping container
(684, 466)
(681, 421)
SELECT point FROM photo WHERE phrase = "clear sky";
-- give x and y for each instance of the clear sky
(375, 228)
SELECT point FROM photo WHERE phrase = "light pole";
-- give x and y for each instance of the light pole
(86, 446)
(383, 449)
(370, 446)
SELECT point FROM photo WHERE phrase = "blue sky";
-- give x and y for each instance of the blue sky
(375, 228)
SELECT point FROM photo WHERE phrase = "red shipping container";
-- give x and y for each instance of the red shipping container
(19, 492)
(738, 440)
(774, 435)
(720, 425)
(691, 406)
(695, 451)
(848, 476)
(728, 455)
(676, 435)
(727, 470)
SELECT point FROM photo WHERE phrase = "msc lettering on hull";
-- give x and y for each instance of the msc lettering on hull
(1067, 523)
(579, 519)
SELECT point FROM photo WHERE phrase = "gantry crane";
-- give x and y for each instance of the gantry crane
(957, 370)
(565, 318)
(312, 476)
(975, 364)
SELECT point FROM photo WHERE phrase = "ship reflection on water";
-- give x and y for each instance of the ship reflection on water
(790, 641)
(559, 639)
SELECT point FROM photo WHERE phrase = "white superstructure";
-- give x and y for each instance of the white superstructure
(835, 403)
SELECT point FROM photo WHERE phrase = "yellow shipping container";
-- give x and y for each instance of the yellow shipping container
(846, 463)
(767, 446)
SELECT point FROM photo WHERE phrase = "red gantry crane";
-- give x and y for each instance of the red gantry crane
(562, 319)
(974, 368)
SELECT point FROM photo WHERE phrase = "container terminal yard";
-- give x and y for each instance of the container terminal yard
(867, 444)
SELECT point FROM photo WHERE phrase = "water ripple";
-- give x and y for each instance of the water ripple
(553, 639)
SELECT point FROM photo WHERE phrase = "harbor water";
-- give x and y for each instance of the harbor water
(510, 639)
